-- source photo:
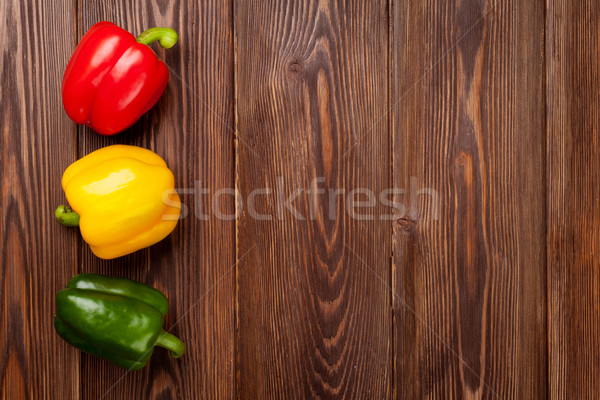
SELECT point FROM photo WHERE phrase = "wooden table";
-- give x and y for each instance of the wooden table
(417, 186)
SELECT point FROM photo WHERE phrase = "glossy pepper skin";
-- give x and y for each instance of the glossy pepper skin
(123, 199)
(117, 319)
(113, 78)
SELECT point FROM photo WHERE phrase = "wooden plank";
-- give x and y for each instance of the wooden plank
(313, 299)
(190, 129)
(469, 126)
(573, 182)
(36, 258)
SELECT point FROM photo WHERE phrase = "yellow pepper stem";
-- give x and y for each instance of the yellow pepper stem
(66, 216)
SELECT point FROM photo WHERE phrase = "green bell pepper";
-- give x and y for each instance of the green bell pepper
(116, 319)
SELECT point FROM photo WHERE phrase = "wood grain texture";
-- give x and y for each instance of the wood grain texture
(313, 307)
(573, 180)
(190, 129)
(34, 260)
(469, 127)
(477, 278)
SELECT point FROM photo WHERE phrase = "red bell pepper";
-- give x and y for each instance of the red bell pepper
(113, 78)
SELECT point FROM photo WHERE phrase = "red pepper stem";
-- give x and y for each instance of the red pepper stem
(66, 216)
(171, 343)
(166, 37)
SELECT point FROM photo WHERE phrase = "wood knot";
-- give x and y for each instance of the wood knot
(461, 160)
(406, 225)
(295, 70)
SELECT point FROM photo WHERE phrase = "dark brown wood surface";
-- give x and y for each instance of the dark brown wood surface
(307, 278)
(469, 256)
(477, 277)
(573, 187)
(37, 256)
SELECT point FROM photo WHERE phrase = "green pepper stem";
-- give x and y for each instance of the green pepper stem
(66, 216)
(166, 37)
(171, 343)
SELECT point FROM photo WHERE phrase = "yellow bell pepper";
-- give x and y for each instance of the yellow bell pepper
(122, 198)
